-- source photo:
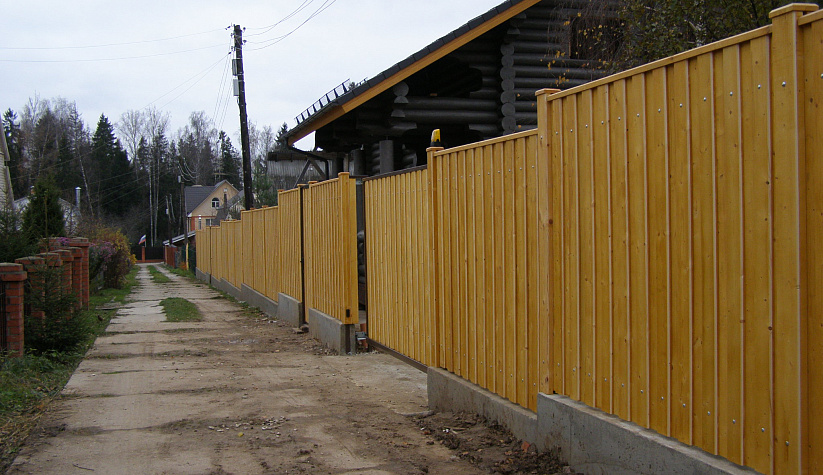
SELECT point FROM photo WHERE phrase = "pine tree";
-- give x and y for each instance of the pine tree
(43, 216)
(229, 160)
(115, 186)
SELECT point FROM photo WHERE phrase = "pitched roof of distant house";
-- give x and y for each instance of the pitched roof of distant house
(324, 112)
(195, 195)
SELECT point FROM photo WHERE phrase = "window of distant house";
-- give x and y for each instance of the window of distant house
(215, 202)
(209, 222)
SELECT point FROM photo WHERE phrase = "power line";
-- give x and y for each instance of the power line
(122, 58)
(157, 40)
(267, 43)
(300, 8)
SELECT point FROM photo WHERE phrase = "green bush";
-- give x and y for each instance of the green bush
(61, 329)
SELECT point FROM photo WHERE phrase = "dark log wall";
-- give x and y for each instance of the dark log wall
(483, 90)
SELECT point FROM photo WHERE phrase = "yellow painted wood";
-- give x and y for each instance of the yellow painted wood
(491, 199)
(701, 109)
(813, 54)
(638, 248)
(730, 248)
(586, 248)
(602, 250)
(679, 131)
(789, 161)
(571, 251)
(757, 255)
(658, 235)
(618, 176)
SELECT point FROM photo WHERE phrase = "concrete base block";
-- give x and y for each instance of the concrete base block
(331, 332)
(227, 287)
(448, 392)
(256, 299)
(594, 442)
(203, 276)
(289, 310)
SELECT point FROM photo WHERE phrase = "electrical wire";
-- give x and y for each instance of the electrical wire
(300, 8)
(271, 42)
(122, 58)
(39, 48)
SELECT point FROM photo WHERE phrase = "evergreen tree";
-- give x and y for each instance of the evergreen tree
(68, 172)
(43, 216)
(115, 187)
(229, 161)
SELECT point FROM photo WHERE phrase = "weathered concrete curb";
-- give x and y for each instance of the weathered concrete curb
(227, 287)
(290, 310)
(205, 277)
(594, 442)
(590, 441)
(256, 299)
(331, 332)
(448, 392)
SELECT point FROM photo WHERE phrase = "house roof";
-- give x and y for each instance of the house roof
(195, 195)
(414, 63)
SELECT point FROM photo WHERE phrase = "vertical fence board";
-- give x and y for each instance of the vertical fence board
(618, 170)
(602, 250)
(679, 130)
(701, 102)
(813, 34)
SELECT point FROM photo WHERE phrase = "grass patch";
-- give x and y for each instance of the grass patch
(180, 310)
(157, 276)
(182, 273)
(30, 383)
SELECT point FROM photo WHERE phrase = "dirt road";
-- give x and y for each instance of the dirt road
(239, 393)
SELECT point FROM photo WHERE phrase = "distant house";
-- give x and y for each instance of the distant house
(476, 83)
(203, 203)
(6, 194)
(71, 213)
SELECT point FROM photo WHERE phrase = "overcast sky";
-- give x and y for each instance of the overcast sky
(112, 56)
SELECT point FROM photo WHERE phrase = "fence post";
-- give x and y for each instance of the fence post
(34, 267)
(546, 342)
(83, 244)
(66, 265)
(438, 343)
(13, 276)
(790, 402)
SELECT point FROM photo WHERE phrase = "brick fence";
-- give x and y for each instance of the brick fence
(72, 262)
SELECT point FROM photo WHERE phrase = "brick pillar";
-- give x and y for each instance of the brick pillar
(83, 244)
(34, 267)
(76, 275)
(13, 277)
(67, 264)
(53, 263)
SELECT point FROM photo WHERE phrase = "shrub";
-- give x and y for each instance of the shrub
(61, 328)
(109, 254)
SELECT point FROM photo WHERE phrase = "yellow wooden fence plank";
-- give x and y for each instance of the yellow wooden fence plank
(601, 246)
(814, 240)
(620, 253)
(679, 179)
(701, 107)
(638, 250)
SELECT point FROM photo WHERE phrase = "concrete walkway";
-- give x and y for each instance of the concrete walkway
(235, 393)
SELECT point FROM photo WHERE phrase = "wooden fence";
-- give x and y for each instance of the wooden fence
(653, 249)
(330, 250)
(266, 248)
(399, 265)
(682, 293)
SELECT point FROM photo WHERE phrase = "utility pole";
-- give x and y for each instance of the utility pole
(244, 120)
